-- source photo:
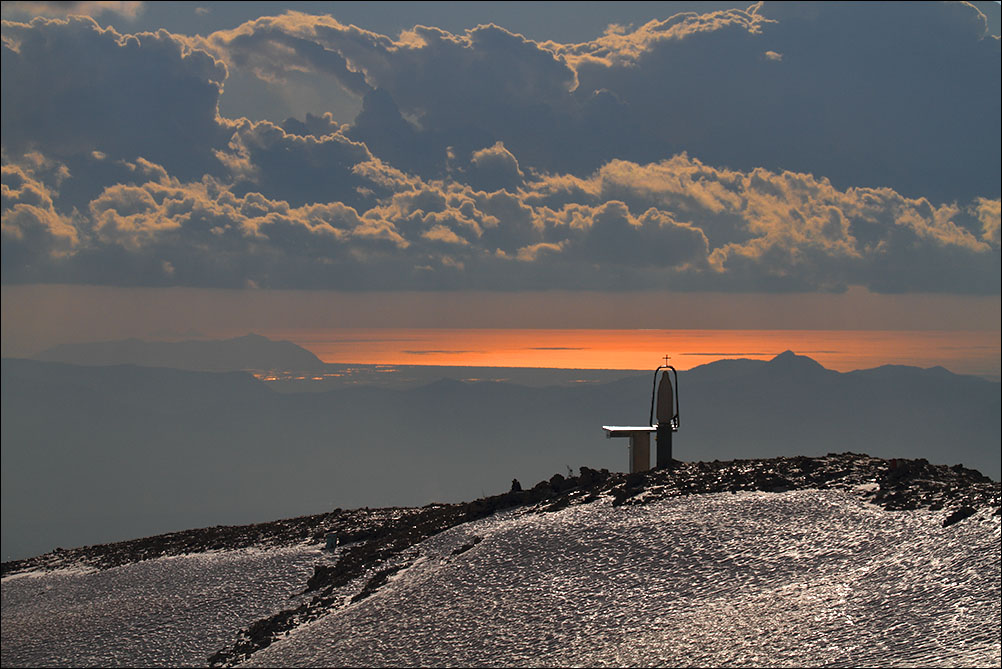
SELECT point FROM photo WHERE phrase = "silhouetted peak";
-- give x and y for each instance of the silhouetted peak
(790, 361)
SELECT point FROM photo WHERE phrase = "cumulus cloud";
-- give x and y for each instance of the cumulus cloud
(724, 151)
(461, 91)
(989, 214)
(272, 47)
(881, 94)
(201, 233)
(677, 224)
(494, 168)
(265, 158)
(786, 231)
(36, 237)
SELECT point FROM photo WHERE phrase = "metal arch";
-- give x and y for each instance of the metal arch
(654, 387)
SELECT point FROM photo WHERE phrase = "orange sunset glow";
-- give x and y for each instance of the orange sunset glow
(842, 350)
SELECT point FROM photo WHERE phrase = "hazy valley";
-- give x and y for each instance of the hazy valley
(102, 453)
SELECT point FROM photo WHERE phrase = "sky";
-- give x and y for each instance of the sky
(168, 167)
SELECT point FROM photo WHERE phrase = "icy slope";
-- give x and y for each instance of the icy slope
(803, 578)
(171, 611)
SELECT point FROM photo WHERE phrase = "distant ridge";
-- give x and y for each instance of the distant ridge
(793, 365)
(250, 352)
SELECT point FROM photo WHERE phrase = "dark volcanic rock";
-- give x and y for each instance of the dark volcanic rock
(912, 484)
(959, 515)
(465, 547)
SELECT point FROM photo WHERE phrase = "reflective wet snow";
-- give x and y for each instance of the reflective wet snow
(799, 578)
(172, 611)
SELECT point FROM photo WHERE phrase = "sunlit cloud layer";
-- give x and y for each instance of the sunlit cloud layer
(795, 148)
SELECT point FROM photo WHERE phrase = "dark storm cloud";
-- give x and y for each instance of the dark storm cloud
(489, 161)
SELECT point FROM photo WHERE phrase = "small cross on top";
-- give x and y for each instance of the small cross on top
(667, 358)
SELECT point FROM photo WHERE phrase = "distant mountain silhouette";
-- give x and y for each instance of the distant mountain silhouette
(94, 454)
(792, 405)
(248, 352)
